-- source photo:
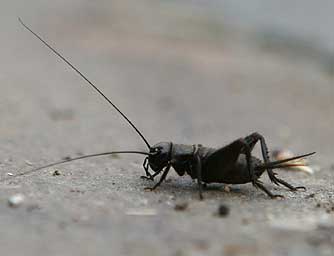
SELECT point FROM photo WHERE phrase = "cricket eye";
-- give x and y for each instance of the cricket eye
(155, 151)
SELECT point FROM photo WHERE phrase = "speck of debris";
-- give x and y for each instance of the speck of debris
(61, 114)
(245, 221)
(327, 206)
(227, 188)
(62, 225)
(201, 245)
(28, 162)
(223, 210)
(77, 191)
(66, 158)
(181, 206)
(56, 173)
(310, 196)
(33, 207)
(16, 200)
(10, 174)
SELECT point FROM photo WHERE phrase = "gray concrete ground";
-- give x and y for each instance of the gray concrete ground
(181, 75)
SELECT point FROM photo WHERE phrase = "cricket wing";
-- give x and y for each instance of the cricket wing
(220, 161)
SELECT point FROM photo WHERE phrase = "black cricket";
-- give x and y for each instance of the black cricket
(231, 164)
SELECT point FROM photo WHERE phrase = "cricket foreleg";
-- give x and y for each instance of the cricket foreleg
(163, 177)
(148, 176)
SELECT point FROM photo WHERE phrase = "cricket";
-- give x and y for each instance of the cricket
(230, 164)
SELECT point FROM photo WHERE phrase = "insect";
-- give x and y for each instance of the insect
(231, 164)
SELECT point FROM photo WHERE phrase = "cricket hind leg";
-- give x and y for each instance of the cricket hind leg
(258, 184)
(288, 185)
(252, 140)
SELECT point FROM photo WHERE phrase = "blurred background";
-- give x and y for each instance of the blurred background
(196, 71)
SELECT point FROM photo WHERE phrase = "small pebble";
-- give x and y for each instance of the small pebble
(227, 188)
(10, 174)
(181, 206)
(33, 207)
(28, 162)
(223, 210)
(310, 196)
(171, 197)
(245, 221)
(15, 200)
(56, 173)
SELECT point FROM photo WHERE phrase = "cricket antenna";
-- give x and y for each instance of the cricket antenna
(86, 79)
(74, 159)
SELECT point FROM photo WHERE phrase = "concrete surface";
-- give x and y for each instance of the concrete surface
(180, 77)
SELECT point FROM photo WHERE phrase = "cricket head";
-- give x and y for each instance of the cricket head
(159, 156)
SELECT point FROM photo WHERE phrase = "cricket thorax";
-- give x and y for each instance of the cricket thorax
(182, 157)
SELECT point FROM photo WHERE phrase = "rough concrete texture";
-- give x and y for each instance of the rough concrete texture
(180, 77)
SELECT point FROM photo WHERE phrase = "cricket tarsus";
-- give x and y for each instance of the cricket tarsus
(86, 79)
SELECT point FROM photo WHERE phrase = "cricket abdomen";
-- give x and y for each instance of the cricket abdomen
(230, 173)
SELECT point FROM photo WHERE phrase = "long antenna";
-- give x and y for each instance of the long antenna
(74, 159)
(86, 79)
